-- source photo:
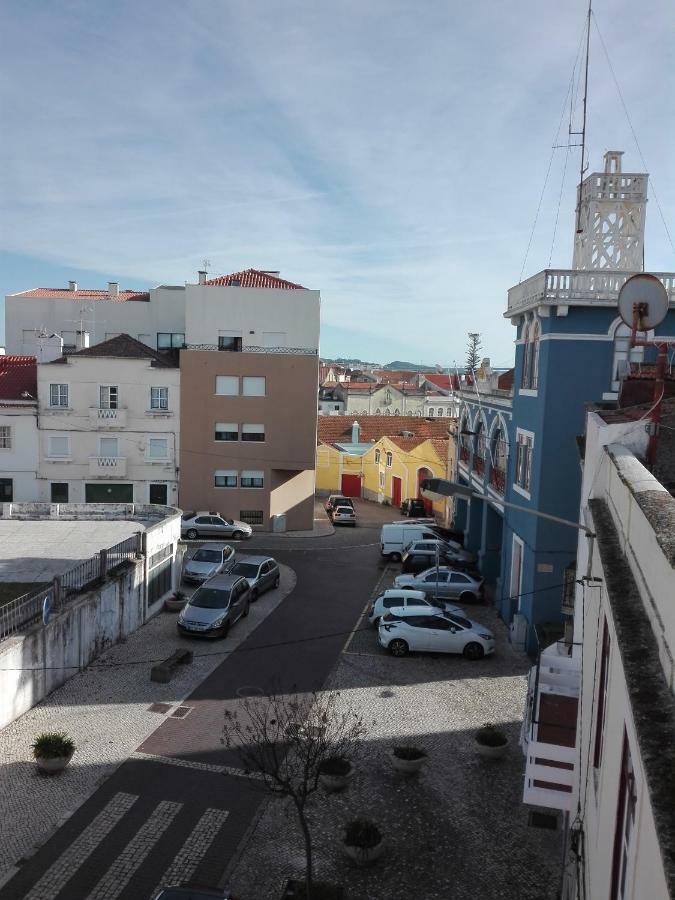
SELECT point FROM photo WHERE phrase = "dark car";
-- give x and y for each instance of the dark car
(336, 500)
(261, 572)
(413, 507)
(215, 606)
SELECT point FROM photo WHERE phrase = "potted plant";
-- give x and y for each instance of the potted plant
(408, 759)
(335, 773)
(491, 742)
(53, 750)
(363, 841)
(176, 602)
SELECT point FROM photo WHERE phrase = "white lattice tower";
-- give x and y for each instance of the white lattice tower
(611, 221)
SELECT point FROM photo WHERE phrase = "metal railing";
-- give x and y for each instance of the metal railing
(292, 351)
(23, 611)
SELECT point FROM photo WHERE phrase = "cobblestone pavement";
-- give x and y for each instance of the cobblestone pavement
(458, 830)
(105, 709)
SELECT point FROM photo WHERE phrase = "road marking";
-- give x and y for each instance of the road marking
(123, 868)
(365, 609)
(210, 768)
(60, 872)
(194, 849)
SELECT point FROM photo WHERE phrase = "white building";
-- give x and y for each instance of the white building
(109, 425)
(18, 429)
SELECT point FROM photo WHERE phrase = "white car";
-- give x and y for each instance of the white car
(409, 600)
(402, 630)
(343, 515)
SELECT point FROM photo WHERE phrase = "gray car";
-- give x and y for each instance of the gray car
(215, 606)
(209, 560)
(449, 584)
(209, 524)
(261, 572)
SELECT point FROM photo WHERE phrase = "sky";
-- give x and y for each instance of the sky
(391, 154)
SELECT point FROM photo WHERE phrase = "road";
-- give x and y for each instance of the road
(178, 809)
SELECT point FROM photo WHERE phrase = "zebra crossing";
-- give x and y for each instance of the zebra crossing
(139, 846)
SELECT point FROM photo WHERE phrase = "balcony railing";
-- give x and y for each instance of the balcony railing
(570, 286)
(498, 480)
(107, 418)
(107, 466)
(291, 351)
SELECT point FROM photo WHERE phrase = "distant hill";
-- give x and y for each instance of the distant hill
(398, 365)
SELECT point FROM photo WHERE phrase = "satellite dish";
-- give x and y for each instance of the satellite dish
(646, 295)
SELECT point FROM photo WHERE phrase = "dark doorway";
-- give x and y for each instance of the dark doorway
(109, 493)
(159, 493)
(59, 491)
(6, 490)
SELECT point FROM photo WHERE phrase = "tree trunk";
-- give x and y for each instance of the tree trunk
(308, 852)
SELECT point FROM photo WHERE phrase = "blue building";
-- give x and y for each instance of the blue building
(572, 349)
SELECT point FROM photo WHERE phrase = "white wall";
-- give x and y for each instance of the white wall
(20, 463)
(253, 312)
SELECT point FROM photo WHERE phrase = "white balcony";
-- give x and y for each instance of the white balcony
(107, 418)
(572, 287)
(107, 467)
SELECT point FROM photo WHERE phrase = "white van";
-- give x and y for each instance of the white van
(396, 537)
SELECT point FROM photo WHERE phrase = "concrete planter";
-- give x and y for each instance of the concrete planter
(52, 765)
(492, 752)
(364, 856)
(407, 766)
(173, 605)
(333, 783)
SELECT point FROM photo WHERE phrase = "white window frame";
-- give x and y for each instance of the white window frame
(378, 455)
(159, 398)
(101, 454)
(382, 480)
(524, 491)
(165, 441)
(389, 459)
(5, 437)
(109, 388)
(230, 380)
(252, 474)
(63, 392)
(58, 437)
(225, 473)
(247, 383)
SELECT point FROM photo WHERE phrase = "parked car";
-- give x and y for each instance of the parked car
(396, 536)
(445, 583)
(186, 892)
(215, 606)
(338, 500)
(405, 599)
(209, 560)
(343, 515)
(209, 524)
(426, 550)
(413, 506)
(261, 572)
(428, 630)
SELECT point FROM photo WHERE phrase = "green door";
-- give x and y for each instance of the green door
(109, 493)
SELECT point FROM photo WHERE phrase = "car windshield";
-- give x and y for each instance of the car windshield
(248, 570)
(458, 620)
(208, 598)
(213, 556)
(345, 509)
(187, 515)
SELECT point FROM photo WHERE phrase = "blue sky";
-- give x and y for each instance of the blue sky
(391, 153)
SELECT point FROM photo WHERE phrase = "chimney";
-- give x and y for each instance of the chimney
(81, 340)
(72, 285)
(355, 432)
(202, 276)
(113, 288)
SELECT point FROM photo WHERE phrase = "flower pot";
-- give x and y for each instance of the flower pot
(492, 752)
(173, 605)
(333, 783)
(52, 765)
(407, 766)
(364, 856)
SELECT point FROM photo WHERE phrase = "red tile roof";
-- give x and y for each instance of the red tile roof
(443, 381)
(17, 374)
(338, 429)
(505, 381)
(84, 294)
(123, 346)
(254, 278)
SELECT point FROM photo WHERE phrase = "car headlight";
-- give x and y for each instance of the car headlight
(486, 636)
(218, 622)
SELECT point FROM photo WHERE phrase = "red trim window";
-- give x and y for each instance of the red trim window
(626, 804)
(602, 698)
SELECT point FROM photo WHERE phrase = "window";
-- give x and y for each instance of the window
(525, 379)
(229, 340)
(253, 432)
(158, 448)
(225, 478)
(159, 398)
(251, 479)
(251, 516)
(458, 578)
(381, 481)
(623, 854)
(59, 492)
(6, 490)
(431, 412)
(377, 455)
(58, 447)
(159, 493)
(108, 396)
(108, 447)
(253, 386)
(5, 437)
(602, 698)
(389, 458)
(170, 340)
(227, 431)
(523, 460)
(534, 356)
(58, 395)
(227, 385)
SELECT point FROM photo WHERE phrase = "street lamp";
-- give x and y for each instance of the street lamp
(440, 488)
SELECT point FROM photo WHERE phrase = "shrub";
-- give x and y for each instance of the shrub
(52, 745)
(362, 833)
(180, 595)
(408, 752)
(335, 765)
(490, 736)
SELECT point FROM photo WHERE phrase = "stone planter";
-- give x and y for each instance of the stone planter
(492, 752)
(364, 856)
(173, 605)
(406, 766)
(333, 783)
(52, 765)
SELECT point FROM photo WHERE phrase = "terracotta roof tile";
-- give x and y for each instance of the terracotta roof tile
(17, 374)
(84, 294)
(505, 381)
(443, 381)
(254, 278)
(123, 347)
(338, 429)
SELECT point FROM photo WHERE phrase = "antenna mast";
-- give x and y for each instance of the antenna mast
(583, 125)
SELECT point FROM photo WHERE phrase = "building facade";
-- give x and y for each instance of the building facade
(18, 429)
(109, 425)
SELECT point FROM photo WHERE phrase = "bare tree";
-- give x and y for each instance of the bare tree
(473, 348)
(285, 738)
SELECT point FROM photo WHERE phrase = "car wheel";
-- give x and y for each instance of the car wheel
(191, 534)
(376, 621)
(246, 608)
(474, 651)
(226, 629)
(398, 647)
(254, 596)
(237, 535)
(467, 597)
(395, 557)
(276, 582)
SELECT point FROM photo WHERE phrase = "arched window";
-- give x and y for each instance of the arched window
(431, 412)
(479, 448)
(396, 412)
(499, 454)
(418, 412)
(378, 411)
(389, 459)
(525, 380)
(534, 355)
(440, 411)
(464, 445)
(387, 413)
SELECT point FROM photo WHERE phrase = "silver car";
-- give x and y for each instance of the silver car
(261, 572)
(209, 524)
(446, 583)
(209, 560)
(215, 606)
